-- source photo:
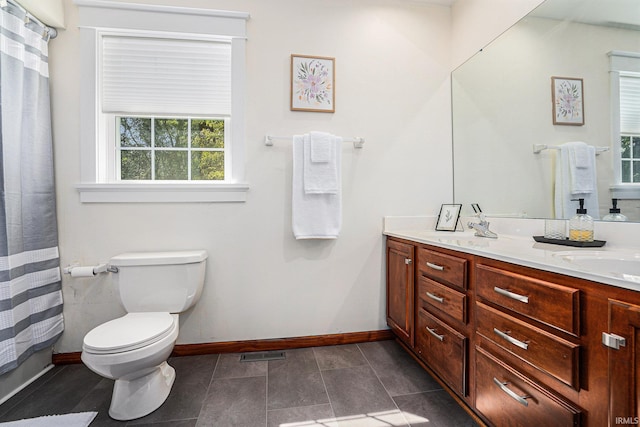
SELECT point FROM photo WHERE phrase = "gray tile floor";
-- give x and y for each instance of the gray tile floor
(369, 385)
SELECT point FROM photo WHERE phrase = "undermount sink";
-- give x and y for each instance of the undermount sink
(623, 264)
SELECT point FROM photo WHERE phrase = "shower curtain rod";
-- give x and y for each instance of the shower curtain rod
(47, 31)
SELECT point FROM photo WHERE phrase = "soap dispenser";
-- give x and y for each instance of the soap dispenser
(614, 213)
(581, 225)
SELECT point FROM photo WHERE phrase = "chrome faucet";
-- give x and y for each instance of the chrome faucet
(482, 227)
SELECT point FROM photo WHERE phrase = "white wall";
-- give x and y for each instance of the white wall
(392, 84)
(50, 12)
(475, 23)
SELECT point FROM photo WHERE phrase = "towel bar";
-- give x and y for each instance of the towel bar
(537, 148)
(358, 142)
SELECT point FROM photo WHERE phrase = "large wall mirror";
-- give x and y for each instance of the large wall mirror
(502, 107)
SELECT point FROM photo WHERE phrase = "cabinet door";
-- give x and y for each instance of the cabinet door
(400, 289)
(624, 364)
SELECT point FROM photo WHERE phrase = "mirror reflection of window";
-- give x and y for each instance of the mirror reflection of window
(630, 128)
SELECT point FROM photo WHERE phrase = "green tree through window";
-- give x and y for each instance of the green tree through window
(171, 149)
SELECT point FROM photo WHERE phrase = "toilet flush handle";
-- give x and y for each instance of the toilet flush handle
(104, 268)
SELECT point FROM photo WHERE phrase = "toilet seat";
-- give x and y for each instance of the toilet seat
(129, 332)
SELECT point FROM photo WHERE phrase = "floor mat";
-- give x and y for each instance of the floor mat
(81, 419)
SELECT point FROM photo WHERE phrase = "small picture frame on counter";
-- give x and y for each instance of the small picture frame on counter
(448, 217)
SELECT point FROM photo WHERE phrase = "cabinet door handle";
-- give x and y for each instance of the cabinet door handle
(517, 297)
(407, 261)
(435, 297)
(506, 336)
(433, 332)
(435, 266)
(512, 394)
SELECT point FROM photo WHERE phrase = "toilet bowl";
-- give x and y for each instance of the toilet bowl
(133, 349)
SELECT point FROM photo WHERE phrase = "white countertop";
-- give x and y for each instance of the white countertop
(515, 245)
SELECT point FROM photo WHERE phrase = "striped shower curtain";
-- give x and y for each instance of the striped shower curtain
(30, 287)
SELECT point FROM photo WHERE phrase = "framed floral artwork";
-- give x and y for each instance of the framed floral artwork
(313, 83)
(568, 104)
(448, 217)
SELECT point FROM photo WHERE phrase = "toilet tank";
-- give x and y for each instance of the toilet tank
(159, 281)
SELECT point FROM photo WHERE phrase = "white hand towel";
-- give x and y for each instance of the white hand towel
(582, 166)
(564, 205)
(321, 147)
(315, 216)
(320, 178)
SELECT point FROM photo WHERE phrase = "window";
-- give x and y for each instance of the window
(162, 104)
(150, 148)
(625, 103)
(630, 158)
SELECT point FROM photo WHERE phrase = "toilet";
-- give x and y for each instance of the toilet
(133, 349)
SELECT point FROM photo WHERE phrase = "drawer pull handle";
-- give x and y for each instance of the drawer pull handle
(512, 394)
(517, 297)
(433, 332)
(506, 336)
(435, 266)
(435, 297)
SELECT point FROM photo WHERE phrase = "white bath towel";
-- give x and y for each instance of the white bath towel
(320, 177)
(315, 216)
(582, 166)
(321, 147)
(564, 205)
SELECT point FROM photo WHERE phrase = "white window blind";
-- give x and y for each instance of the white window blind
(166, 76)
(630, 104)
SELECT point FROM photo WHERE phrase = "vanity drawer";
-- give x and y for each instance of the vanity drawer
(444, 268)
(549, 303)
(544, 351)
(507, 398)
(444, 349)
(443, 298)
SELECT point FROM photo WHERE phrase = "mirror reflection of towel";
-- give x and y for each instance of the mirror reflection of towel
(575, 183)
(582, 167)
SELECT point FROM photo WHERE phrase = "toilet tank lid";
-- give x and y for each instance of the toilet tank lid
(158, 258)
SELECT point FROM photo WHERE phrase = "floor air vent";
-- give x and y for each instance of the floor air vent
(262, 355)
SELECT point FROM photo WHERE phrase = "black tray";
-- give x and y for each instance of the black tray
(567, 242)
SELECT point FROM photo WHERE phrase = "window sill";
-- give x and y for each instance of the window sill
(162, 192)
(625, 191)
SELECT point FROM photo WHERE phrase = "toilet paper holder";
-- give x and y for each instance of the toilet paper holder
(76, 270)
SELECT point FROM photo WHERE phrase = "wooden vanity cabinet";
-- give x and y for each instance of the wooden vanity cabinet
(505, 397)
(400, 274)
(442, 331)
(527, 329)
(623, 342)
(520, 346)
(444, 349)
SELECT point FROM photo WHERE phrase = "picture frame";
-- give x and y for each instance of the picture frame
(448, 217)
(568, 101)
(313, 83)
